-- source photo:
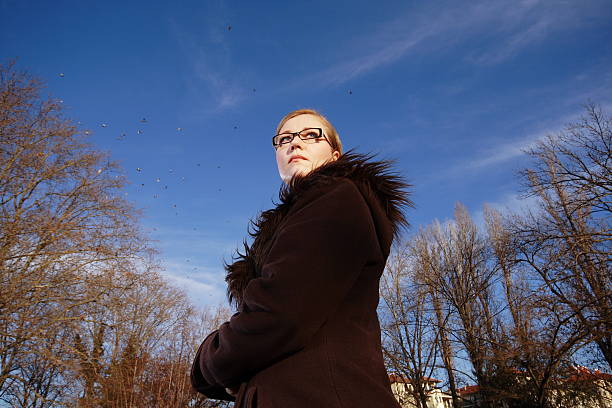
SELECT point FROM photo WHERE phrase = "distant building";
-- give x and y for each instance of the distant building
(585, 388)
(403, 390)
(582, 388)
(470, 396)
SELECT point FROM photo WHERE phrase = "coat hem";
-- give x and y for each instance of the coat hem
(331, 372)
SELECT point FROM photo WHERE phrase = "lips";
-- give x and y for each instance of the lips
(296, 157)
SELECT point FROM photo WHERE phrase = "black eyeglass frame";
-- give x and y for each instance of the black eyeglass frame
(294, 134)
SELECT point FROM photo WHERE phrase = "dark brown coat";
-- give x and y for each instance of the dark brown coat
(307, 333)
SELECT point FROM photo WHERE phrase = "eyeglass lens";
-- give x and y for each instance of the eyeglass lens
(306, 135)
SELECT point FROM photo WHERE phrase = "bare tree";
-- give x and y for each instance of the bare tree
(410, 332)
(86, 317)
(544, 334)
(63, 226)
(428, 262)
(136, 349)
(456, 260)
(567, 242)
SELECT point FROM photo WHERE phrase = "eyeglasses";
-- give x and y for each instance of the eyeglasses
(309, 135)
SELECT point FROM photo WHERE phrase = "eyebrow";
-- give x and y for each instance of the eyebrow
(288, 131)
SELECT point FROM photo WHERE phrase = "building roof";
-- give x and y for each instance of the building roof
(396, 378)
(581, 373)
(469, 389)
(578, 373)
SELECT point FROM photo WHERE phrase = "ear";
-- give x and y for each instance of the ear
(335, 155)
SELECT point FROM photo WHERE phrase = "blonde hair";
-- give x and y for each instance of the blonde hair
(330, 132)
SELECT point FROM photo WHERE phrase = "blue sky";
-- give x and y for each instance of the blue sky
(452, 90)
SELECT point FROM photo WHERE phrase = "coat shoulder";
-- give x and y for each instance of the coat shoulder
(355, 174)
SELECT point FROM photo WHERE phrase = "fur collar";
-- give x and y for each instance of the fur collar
(371, 177)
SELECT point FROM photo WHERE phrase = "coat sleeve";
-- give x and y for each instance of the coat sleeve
(198, 383)
(316, 258)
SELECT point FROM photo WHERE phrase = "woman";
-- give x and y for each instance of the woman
(306, 333)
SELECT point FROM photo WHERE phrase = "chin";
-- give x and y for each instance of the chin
(301, 172)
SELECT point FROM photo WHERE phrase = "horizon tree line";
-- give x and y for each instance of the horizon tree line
(514, 306)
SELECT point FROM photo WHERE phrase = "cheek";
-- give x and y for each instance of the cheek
(322, 151)
(279, 161)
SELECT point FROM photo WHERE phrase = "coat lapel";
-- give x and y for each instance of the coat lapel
(373, 178)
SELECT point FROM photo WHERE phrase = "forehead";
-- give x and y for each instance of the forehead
(300, 122)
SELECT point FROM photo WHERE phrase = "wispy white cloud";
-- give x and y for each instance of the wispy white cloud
(507, 203)
(393, 41)
(205, 286)
(519, 25)
(226, 92)
(429, 28)
(193, 260)
(200, 241)
(500, 153)
(209, 59)
(377, 56)
(514, 203)
(515, 25)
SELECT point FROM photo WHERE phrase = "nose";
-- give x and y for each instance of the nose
(296, 142)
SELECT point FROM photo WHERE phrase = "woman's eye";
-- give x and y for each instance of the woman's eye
(285, 139)
(312, 135)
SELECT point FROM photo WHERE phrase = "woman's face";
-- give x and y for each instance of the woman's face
(313, 154)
